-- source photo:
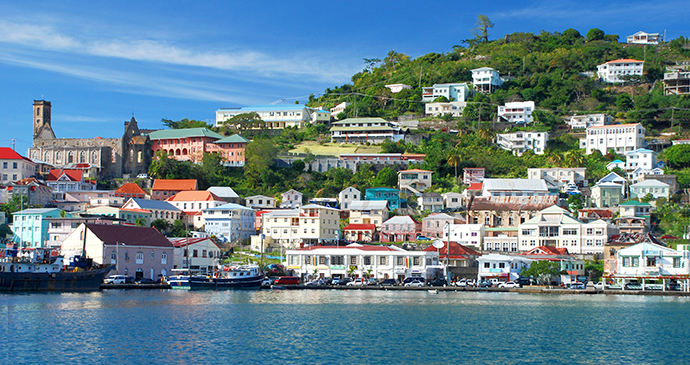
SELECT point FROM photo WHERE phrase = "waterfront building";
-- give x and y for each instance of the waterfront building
(309, 225)
(621, 138)
(612, 71)
(142, 252)
(378, 262)
(649, 261)
(229, 222)
(461, 260)
(501, 267)
(165, 188)
(570, 267)
(198, 254)
(30, 226)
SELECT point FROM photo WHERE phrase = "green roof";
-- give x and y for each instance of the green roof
(184, 133)
(235, 138)
(378, 128)
(634, 202)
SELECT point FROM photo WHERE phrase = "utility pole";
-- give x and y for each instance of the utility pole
(14, 140)
(420, 76)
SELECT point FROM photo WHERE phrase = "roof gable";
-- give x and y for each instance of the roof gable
(174, 184)
(126, 235)
(130, 188)
(194, 195)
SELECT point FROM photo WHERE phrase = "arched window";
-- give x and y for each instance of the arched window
(58, 157)
(46, 156)
(94, 157)
(70, 157)
(140, 156)
(82, 157)
(131, 155)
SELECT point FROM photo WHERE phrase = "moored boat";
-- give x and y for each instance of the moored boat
(23, 275)
(241, 277)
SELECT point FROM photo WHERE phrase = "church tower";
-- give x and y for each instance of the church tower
(42, 126)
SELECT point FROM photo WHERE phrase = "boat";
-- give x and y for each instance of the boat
(180, 281)
(241, 277)
(18, 274)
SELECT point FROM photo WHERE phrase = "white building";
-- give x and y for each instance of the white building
(640, 158)
(338, 109)
(612, 71)
(198, 253)
(441, 108)
(649, 261)
(192, 202)
(291, 199)
(362, 130)
(657, 188)
(514, 187)
(486, 79)
(644, 38)
(309, 225)
(347, 196)
(379, 262)
(471, 235)
(520, 142)
(501, 267)
(369, 212)
(516, 112)
(620, 138)
(229, 222)
(452, 92)
(415, 179)
(432, 202)
(452, 200)
(615, 163)
(589, 120)
(557, 176)
(275, 116)
(15, 166)
(396, 88)
(260, 202)
(555, 226)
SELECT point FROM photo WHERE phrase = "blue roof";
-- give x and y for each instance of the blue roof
(154, 204)
(617, 161)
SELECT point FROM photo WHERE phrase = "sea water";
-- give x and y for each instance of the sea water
(341, 327)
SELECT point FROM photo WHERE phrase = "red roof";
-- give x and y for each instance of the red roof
(174, 184)
(547, 250)
(193, 195)
(7, 153)
(358, 247)
(130, 188)
(360, 227)
(624, 60)
(457, 251)
(475, 186)
(73, 175)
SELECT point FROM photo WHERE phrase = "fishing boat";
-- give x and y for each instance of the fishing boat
(241, 277)
(19, 274)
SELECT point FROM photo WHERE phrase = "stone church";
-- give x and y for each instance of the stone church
(99, 157)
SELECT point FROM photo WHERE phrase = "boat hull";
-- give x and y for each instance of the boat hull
(78, 281)
(249, 283)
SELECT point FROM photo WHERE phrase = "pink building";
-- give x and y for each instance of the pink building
(230, 148)
(400, 228)
(433, 225)
(183, 144)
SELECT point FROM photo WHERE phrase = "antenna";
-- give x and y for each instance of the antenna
(13, 141)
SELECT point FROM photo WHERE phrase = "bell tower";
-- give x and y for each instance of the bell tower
(42, 126)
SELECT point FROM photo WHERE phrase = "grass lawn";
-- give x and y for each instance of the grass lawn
(333, 149)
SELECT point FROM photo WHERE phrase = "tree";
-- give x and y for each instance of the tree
(178, 229)
(387, 177)
(140, 222)
(624, 102)
(543, 271)
(481, 32)
(678, 155)
(454, 159)
(370, 63)
(259, 155)
(161, 225)
(245, 121)
(184, 123)
(575, 202)
(595, 34)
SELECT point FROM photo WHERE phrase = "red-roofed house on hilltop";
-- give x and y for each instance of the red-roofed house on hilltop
(612, 71)
(63, 180)
(131, 190)
(15, 166)
(165, 188)
(192, 202)
(142, 252)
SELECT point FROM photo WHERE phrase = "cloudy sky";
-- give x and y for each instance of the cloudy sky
(101, 62)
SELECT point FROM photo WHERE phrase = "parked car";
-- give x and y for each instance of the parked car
(142, 176)
(484, 284)
(413, 278)
(115, 279)
(577, 285)
(145, 281)
(266, 282)
(438, 282)
(423, 238)
(509, 284)
(358, 282)
(287, 280)
(388, 282)
(633, 285)
(129, 279)
(415, 283)
(344, 281)
(335, 281)
(313, 283)
(464, 283)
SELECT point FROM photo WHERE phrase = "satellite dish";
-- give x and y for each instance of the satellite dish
(437, 244)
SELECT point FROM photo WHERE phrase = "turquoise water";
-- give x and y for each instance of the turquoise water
(340, 327)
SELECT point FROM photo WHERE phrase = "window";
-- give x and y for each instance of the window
(383, 260)
(487, 265)
(337, 260)
(676, 262)
(367, 260)
(353, 260)
(140, 257)
(400, 261)
(415, 261)
(164, 258)
(113, 257)
(195, 253)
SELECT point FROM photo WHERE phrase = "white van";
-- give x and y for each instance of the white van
(115, 279)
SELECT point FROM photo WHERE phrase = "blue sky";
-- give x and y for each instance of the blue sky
(100, 62)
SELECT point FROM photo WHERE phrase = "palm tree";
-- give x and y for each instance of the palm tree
(486, 135)
(574, 158)
(454, 160)
(556, 158)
